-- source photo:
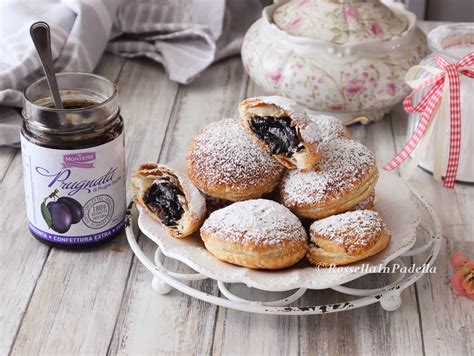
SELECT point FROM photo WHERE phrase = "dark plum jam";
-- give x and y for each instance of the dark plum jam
(277, 133)
(163, 199)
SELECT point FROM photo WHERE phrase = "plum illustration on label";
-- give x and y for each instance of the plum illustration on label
(61, 212)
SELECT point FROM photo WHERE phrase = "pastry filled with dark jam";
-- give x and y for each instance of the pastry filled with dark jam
(283, 128)
(169, 198)
(277, 133)
(164, 199)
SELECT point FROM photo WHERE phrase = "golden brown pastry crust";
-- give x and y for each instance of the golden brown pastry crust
(277, 106)
(337, 203)
(345, 176)
(280, 257)
(366, 204)
(347, 238)
(194, 205)
(260, 234)
(225, 163)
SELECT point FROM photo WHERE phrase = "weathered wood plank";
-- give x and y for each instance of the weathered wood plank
(374, 326)
(176, 323)
(63, 278)
(446, 318)
(263, 334)
(22, 258)
(401, 327)
(245, 333)
(7, 154)
(369, 330)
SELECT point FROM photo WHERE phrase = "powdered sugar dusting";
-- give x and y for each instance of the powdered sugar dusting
(222, 153)
(352, 230)
(343, 164)
(329, 128)
(259, 221)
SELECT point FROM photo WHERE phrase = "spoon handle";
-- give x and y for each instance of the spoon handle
(40, 34)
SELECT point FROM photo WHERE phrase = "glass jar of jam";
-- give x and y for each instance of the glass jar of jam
(74, 161)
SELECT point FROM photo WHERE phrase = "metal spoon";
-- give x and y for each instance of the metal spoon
(41, 37)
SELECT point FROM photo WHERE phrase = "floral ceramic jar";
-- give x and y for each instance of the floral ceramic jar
(343, 57)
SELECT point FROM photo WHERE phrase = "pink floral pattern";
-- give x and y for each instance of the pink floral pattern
(351, 12)
(358, 83)
(339, 22)
(275, 76)
(376, 29)
(391, 88)
(337, 107)
(296, 22)
(355, 86)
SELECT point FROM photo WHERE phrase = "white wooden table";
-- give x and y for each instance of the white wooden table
(55, 301)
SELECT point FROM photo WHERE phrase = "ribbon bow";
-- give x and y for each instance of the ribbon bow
(440, 102)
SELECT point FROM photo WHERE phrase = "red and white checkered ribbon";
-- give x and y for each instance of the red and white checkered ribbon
(444, 90)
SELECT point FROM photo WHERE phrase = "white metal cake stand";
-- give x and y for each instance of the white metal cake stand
(428, 234)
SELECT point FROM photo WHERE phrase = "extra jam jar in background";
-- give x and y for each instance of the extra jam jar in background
(74, 161)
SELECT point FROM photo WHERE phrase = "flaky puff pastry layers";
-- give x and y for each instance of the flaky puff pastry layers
(283, 129)
(347, 238)
(259, 234)
(225, 163)
(169, 198)
(366, 204)
(345, 176)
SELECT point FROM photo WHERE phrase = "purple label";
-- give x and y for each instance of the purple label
(77, 240)
(79, 160)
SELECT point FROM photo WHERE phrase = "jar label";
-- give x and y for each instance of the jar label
(75, 197)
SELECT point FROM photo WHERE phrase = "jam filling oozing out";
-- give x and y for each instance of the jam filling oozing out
(162, 198)
(277, 133)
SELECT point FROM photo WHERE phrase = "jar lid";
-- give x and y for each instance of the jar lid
(453, 41)
(340, 21)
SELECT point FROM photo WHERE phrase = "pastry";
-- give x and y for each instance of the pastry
(366, 204)
(329, 128)
(345, 176)
(169, 198)
(283, 128)
(259, 234)
(213, 204)
(223, 162)
(347, 238)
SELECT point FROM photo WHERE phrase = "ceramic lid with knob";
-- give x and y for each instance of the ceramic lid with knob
(339, 21)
